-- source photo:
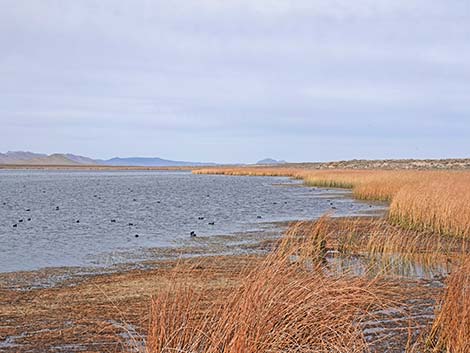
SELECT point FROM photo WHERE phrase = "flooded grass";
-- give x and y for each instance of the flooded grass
(376, 297)
(391, 284)
(435, 201)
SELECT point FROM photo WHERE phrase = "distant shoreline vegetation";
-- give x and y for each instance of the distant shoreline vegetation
(30, 159)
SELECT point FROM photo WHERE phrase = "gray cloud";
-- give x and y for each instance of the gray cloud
(236, 81)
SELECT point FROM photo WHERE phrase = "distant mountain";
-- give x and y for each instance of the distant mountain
(80, 159)
(20, 157)
(149, 162)
(15, 157)
(53, 159)
(270, 161)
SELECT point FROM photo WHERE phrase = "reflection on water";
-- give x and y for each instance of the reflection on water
(85, 218)
(336, 263)
(359, 265)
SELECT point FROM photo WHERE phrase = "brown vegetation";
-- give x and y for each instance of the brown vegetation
(426, 208)
(291, 300)
(451, 329)
(286, 304)
(295, 301)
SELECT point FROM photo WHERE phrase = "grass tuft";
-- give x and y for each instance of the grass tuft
(451, 330)
(286, 304)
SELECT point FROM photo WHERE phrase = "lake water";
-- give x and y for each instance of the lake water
(75, 218)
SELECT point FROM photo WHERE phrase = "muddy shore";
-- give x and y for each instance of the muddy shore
(108, 312)
(105, 309)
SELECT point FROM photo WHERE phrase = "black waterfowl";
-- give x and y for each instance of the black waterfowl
(200, 218)
(113, 221)
(15, 225)
(158, 201)
(77, 221)
(137, 235)
(131, 224)
(20, 221)
(192, 234)
(259, 217)
(28, 210)
(211, 223)
(29, 219)
(57, 208)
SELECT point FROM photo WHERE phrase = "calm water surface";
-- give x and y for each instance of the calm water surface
(77, 218)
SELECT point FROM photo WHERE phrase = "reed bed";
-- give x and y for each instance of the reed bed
(388, 243)
(451, 330)
(286, 304)
(435, 201)
(294, 301)
(439, 203)
(380, 247)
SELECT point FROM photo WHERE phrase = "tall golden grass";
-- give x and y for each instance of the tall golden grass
(436, 201)
(451, 330)
(294, 301)
(286, 304)
(291, 302)
(377, 246)
(439, 203)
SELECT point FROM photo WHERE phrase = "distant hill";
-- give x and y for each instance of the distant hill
(80, 159)
(24, 158)
(20, 157)
(270, 161)
(17, 157)
(149, 162)
(53, 159)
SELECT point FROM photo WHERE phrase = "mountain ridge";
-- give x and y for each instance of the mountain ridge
(149, 162)
(270, 161)
(30, 158)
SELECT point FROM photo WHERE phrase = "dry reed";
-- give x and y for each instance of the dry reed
(451, 330)
(286, 304)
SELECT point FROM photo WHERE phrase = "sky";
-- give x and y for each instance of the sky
(236, 80)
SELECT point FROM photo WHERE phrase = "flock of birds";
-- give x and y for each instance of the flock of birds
(192, 234)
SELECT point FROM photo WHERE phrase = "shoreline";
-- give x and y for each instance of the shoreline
(355, 164)
(240, 243)
(108, 311)
(138, 258)
(235, 244)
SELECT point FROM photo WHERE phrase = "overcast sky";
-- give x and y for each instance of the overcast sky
(236, 80)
